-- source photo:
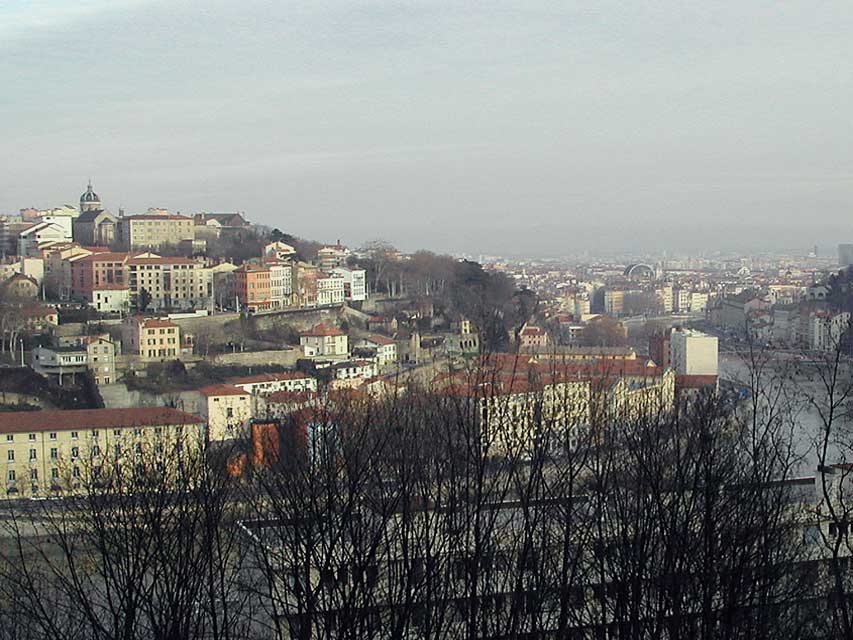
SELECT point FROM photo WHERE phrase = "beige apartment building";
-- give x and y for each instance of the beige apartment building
(154, 229)
(152, 339)
(47, 452)
(172, 283)
(226, 409)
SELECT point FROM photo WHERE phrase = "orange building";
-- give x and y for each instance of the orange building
(96, 271)
(252, 286)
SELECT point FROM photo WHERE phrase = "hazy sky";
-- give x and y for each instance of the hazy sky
(460, 126)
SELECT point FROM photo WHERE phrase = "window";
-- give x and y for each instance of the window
(11, 475)
(117, 433)
(53, 435)
(10, 455)
(10, 438)
(117, 450)
(54, 453)
(229, 412)
(32, 454)
(96, 451)
(76, 472)
(54, 474)
(34, 474)
(32, 437)
(94, 433)
(75, 452)
(74, 435)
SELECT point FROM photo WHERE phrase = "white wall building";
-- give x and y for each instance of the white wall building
(110, 298)
(693, 353)
(330, 289)
(355, 283)
(826, 330)
(264, 383)
(386, 348)
(281, 284)
(226, 409)
(324, 340)
(698, 301)
(41, 233)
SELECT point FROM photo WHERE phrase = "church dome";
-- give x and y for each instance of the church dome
(89, 196)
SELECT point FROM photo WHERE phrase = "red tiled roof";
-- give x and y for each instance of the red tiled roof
(322, 330)
(105, 256)
(160, 260)
(30, 421)
(39, 312)
(251, 267)
(154, 216)
(381, 340)
(221, 390)
(157, 323)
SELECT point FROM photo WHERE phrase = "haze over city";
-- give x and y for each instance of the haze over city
(520, 128)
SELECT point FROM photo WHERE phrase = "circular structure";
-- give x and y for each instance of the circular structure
(640, 271)
(89, 201)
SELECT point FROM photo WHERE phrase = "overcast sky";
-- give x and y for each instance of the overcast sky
(516, 127)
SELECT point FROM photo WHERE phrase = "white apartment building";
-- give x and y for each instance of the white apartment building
(355, 283)
(682, 299)
(93, 353)
(281, 284)
(826, 329)
(693, 352)
(698, 301)
(265, 383)
(330, 289)
(386, 348)
(665, 294)
(41, 233)
(226, 409)
(324, 340)
(110, 298)
(581, 307)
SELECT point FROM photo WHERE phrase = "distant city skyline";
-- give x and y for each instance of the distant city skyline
(537, 127)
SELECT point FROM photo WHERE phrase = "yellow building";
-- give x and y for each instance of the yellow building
(46, 452)
(155, 229)
(151, 338)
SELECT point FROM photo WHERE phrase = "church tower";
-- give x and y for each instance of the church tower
(90, 201)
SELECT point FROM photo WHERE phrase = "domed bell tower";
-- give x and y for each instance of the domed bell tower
(90, 201)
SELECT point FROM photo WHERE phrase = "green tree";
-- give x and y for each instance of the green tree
(144, 299)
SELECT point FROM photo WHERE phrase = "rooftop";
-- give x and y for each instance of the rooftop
(269, 377)
(322, 330)
(30, 421)
(221, 390)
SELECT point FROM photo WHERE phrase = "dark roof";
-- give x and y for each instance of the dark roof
(30, 421)
(92, 214)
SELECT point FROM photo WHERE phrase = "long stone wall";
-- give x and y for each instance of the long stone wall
(284, 357)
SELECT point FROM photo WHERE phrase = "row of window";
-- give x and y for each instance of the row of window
(95, 451)
(53, 435)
